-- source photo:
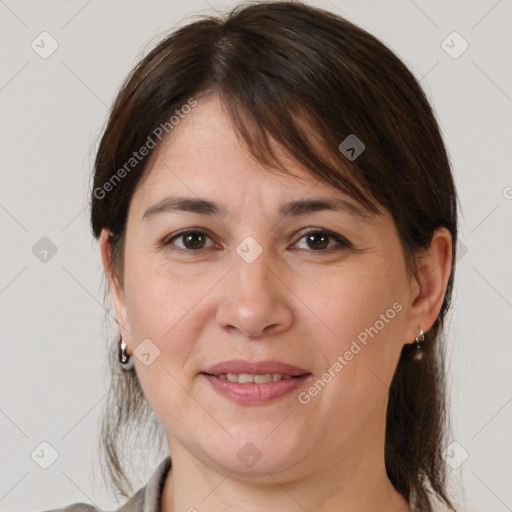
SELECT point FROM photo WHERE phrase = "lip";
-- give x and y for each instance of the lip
(254, 368)
(255, 394)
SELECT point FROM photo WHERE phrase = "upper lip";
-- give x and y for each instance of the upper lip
(238, 366)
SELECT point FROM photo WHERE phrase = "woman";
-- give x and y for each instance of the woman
(277, 223)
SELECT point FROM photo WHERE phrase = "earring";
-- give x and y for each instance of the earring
(124, 359)
(418, 356)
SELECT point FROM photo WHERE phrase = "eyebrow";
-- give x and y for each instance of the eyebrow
(293, 208)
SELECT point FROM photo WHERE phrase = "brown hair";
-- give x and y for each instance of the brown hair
(289, 72)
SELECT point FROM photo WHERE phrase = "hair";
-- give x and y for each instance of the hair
(305, 79)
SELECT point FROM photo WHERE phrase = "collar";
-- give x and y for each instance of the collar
(147, 498)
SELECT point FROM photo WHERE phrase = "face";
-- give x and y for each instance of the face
(324, 290)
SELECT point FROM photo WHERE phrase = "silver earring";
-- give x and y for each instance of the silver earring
(124, 359)
(419, 348)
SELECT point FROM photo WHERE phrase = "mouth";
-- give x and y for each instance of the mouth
(255, 389)
(248, 378)
(247, 370)
(256, 382)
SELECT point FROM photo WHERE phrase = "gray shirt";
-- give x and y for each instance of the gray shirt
(146, 499)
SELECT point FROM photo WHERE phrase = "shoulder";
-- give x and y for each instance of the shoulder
(133, 504)
(75, 507)
(147, 498)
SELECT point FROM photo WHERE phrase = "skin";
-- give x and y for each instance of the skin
(295, 303)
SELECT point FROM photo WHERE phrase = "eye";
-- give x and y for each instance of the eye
(318, 240)
(192, 239)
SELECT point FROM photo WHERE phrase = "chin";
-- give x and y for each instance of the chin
(255, 454)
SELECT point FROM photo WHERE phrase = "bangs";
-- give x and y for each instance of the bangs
(266, 124)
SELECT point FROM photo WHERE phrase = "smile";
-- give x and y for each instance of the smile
(252, 389)
(244, 378)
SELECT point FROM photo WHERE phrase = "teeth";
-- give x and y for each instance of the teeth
(244, 378)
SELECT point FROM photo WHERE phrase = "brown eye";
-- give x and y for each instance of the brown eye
(319, 240)
(191, 240)
(316, 241)
(194, 240)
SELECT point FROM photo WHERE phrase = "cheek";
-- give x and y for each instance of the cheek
(358, 358)
(165, 310)
(348, 304)
(156, 299)
(363, 318)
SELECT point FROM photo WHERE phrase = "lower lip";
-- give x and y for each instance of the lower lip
(254, 394)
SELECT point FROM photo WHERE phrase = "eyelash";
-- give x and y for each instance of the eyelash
(343, 243)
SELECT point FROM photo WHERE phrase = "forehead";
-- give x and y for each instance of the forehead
(203, 156)
(205, 148)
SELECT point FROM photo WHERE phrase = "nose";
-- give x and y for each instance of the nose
(255, 300)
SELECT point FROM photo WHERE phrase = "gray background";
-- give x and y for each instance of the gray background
(53, 333)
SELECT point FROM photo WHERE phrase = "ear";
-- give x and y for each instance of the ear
(115, 286)
(428, 286)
